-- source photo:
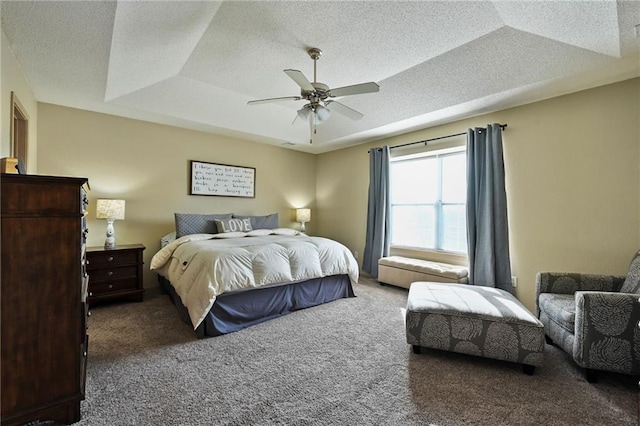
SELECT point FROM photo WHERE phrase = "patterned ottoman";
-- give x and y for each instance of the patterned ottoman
(473, 320)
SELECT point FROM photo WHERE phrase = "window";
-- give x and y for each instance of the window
(428, 202)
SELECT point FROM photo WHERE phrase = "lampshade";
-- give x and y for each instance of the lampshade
(304, 112)
(322, 113)
(110, 209)
(303, 215)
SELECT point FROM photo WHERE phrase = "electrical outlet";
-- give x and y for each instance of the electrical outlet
(514, 281)
(355, 254)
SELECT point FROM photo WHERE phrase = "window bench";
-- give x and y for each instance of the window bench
(402, 271)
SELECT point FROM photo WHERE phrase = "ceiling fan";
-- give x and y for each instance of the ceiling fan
(318, 95)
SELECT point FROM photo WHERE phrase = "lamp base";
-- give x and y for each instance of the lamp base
(302, 227)
(110, 242)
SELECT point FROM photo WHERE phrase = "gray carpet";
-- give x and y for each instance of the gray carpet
(342, 363)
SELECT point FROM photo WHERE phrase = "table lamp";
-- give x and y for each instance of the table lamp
(110, 210)
(302, 216)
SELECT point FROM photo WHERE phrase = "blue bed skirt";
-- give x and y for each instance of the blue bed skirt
(235, 311)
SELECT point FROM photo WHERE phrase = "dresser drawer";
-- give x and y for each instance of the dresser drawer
(84, 351)
(111, 274)
(107, 287)
(111, 258)
(84, 324)
(85, 287)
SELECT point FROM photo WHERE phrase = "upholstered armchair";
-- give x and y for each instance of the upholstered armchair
(594, 318)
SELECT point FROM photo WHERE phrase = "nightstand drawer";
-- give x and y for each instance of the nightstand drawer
(97, 289)
(111, 274)
(111, 258)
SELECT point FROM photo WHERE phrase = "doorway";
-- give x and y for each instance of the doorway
(19, 130)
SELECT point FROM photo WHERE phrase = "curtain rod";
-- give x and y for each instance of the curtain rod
(503, 126)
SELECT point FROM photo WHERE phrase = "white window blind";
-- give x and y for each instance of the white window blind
(428, 202)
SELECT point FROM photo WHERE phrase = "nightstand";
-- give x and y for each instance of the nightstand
(115, 273)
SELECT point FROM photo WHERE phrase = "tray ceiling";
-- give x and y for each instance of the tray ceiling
(196, 64)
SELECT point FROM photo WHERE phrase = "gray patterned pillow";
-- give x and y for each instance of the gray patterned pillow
(632, 283)
(233, 225)
(269, 221)
(187, 224)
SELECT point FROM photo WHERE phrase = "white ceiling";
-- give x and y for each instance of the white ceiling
(196, 64)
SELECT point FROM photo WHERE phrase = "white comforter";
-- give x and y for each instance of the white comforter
(203, 266)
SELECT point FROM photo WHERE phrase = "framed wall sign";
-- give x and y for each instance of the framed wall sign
(223, 180)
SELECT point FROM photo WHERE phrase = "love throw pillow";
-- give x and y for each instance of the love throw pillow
(233, 225)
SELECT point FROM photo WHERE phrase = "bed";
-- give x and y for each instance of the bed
(221, 282)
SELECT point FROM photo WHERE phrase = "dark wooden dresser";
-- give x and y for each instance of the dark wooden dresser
(43, 298)
(115, 273)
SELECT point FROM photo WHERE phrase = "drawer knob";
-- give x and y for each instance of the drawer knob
(84, 354)
(110, 258)
(110, 286)
(110, 273)
(88, 313)
(90, 294)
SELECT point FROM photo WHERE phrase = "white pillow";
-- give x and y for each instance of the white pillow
(230, 235)
(169, 238)
(259, 232)
(285, 231)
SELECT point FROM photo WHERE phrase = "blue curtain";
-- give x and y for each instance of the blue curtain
(487, 226)
(378, 211)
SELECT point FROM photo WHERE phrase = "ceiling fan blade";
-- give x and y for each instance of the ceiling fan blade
(269, 100)
(356, 89)
(344, 110)
(300, 80)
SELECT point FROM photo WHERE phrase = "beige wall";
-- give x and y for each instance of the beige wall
(573, 183)
(13, 80)
(148, 165)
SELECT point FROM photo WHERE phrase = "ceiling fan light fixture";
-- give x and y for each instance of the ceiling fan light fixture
(317, 114)
(322, 113)
(317, 94)
(305, 112)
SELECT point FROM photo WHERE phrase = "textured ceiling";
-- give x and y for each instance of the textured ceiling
(196, 64)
